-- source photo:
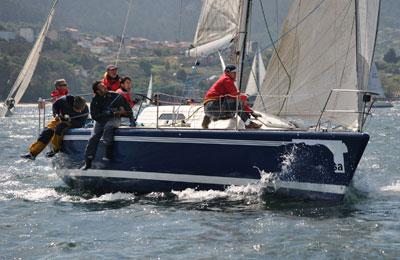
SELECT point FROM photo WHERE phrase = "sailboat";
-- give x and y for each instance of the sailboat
(150, 90)
(375, 85)
(317, 75)
(256, 77)
(25, 76)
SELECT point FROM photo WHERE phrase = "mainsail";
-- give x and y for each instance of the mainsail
(325, 45)
(256, 76)
(217, 27)
(29, 67)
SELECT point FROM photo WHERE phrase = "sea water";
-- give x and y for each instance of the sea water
(42, 218)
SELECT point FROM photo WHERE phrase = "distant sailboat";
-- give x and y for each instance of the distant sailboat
(375, 85)
(150, 90)
(25, 76)
(257, 75)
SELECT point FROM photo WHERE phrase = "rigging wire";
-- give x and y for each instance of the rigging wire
(275, 50)
(178, 35)
(123, 32)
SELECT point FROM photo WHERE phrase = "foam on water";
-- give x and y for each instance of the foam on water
(36, 195)
(251, 192)
(113, 197)
(394, 187)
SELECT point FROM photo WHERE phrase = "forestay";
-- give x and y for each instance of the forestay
(317, 52)
(25, 76)
(217, 27)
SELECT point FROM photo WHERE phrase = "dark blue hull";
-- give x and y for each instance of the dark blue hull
(313, 165)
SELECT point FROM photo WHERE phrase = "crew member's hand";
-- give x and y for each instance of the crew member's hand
(132, 123)
(121, 112)
(66, 117)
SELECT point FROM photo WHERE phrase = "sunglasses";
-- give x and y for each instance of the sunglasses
(62, 85)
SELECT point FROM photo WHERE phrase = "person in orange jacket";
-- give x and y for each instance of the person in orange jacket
(61, 89)
(111, 78)
(223, 99)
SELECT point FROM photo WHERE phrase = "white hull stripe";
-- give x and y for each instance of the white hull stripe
(182, 140)
(324, 188)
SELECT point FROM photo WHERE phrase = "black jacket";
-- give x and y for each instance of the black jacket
(102, 108)
(64, 106)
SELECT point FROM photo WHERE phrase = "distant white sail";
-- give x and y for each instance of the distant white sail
(368, 15)
(221, 59)
(257, 75)
(29, 67)
(374, 83)
(252, 86)
(150, 89)
(318, 53)
(261, 68)
(217, 27)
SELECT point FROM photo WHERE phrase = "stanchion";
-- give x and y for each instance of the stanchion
(41, 106)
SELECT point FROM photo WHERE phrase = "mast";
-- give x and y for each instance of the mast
(360, 77)
(240, 50)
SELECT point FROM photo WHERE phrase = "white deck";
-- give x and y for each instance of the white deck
(191, 116)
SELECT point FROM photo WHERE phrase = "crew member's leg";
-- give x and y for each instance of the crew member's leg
(108, 136)
(43, 140)
(57, 139)
(213, 110)
(238, 105)
(91, 147)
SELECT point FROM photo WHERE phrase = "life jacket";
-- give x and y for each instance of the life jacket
(126, 95)
(58, 93)
(111, 84)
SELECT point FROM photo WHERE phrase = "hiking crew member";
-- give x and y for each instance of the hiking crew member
(60, 91)
(111, 79)
(106, 109)
(220, 101)
(125, 90)
(68, 112)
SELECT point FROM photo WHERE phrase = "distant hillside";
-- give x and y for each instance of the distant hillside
(153, 19)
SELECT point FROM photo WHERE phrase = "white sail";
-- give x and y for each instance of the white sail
(150, 89)
(217, 27)
(368, 15)
(221, 59)
(252, 86)
(29, 67)
(374, 83)
(318, 53)
(257, 75)
(261, 68)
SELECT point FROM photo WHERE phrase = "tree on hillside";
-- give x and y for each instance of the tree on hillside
(181, 75)
(390, 56)
(146, 67)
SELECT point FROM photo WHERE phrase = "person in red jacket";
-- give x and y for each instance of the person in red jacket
(223, 100)
(60, 91)
(111, 78)
(125, 90)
